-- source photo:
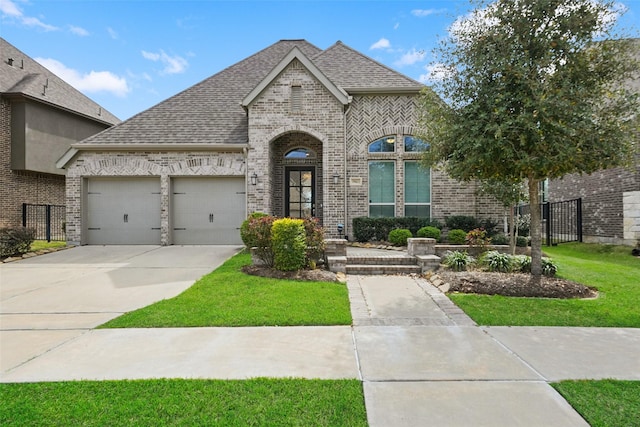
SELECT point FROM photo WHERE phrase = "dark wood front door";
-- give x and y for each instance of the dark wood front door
(300, 197)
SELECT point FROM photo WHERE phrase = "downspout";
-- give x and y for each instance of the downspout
(346, 213)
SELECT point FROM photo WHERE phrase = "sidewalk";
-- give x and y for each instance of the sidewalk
(421, 359)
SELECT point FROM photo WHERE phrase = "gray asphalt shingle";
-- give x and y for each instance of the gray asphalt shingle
(21, 75)
(210, 111)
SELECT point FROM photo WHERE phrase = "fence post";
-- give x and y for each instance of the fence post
(48, 222)
(24, 214)
(547, 213)
(579, 218)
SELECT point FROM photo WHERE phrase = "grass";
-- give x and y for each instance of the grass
(43, 244)
(281, 402)
(611, 269)
(605, 402)
(228, 297)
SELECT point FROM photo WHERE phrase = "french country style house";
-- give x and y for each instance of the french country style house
(292, 130)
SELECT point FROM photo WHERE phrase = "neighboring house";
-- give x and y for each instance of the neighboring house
(292, 130)
(610, 197)
(40, 117)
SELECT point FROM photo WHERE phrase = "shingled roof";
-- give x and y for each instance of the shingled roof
(20, 75)
(210, 112)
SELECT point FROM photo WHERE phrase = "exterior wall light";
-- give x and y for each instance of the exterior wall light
(336, 178)
(254, 179)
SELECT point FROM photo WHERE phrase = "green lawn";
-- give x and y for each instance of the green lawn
(604, 403)
(611, 269)
(228, 297)
(43, 244)
(277, 402)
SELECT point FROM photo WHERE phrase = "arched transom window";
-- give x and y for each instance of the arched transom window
(383, 145)
(300, 153)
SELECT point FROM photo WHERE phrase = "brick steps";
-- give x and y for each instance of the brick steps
(366, 269)
(385, 264)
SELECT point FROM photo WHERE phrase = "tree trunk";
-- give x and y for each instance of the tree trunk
(512, 231)
(535, 231)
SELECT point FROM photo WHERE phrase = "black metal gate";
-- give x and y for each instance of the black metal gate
(47, 220)
(561, 221)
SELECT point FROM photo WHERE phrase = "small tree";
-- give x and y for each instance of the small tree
(532, 96)
(509, 194)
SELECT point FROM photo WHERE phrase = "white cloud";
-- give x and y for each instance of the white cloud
(10, 9)
(78, 31)
(421, 13)
(410, 58)
(435, 73)
(94, 81)
(395, 27)
(112, 33)
(172, 64)
(380, 44)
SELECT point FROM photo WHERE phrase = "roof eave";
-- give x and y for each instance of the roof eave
(19, 95)
(384, 90)
(295, 53)
(159, 147)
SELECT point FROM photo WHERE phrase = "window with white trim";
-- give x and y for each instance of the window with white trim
(382, 180)
(417, 190)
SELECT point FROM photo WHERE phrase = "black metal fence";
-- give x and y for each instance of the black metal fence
(561, 221)
(47, 220)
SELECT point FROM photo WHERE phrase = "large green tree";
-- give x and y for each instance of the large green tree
(532, 89)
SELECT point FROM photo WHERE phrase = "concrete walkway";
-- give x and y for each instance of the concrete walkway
(422, 361)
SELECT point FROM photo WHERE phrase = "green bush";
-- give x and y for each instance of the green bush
(248, 236)
(461, 222)
(456, 237)
(549, 268)
(367, 229)
(523, 263)
(257, 234)
(289, 244)
(457, 260)
(496, 261)
(429, 232)
(522, 242)
(399, 236)
(500, 239)
(16, 240)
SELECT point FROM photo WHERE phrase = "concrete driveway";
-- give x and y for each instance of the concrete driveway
(51, 299)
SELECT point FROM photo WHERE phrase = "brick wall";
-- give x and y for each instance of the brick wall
(602, 200)
(18, 187)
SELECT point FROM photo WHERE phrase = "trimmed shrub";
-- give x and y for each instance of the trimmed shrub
(367, 229)
(429, 232)
(462, 222)
(496, 261)
(477, 238)
(457, 260)
(16, 240)
(399, 236)
(500, 239)
(456, 236)
(289, 244)
(314, 235)
(258, 234)
(522, 242)
(248, 236)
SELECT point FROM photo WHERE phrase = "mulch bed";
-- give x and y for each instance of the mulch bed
(317, 275)
(514, 285)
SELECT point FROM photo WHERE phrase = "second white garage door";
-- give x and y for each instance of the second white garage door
(207, 211)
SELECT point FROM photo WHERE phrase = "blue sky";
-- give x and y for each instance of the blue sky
(128, 55)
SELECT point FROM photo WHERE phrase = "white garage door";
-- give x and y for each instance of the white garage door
(207, 211)
(123, 211)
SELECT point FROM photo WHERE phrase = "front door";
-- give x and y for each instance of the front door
(300, 194)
